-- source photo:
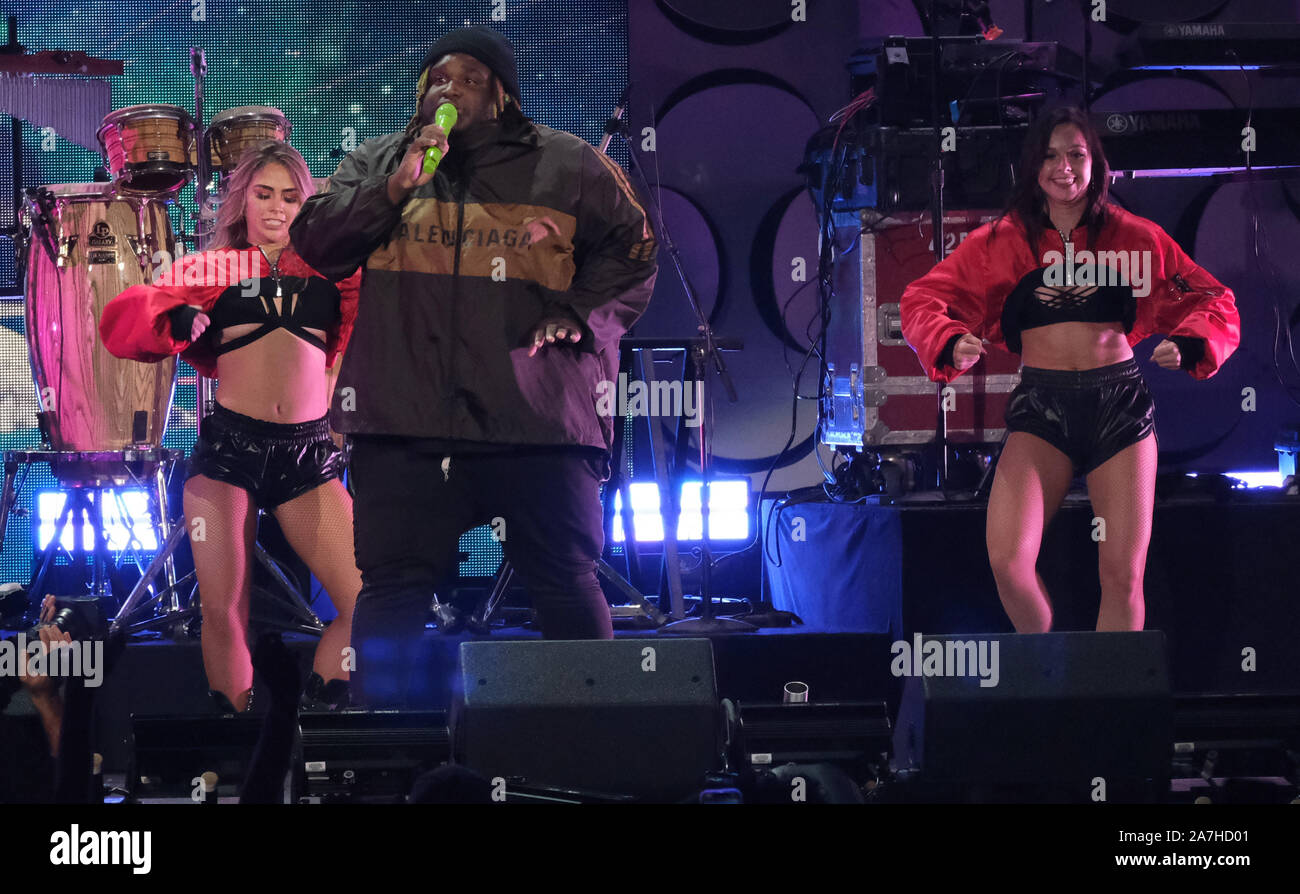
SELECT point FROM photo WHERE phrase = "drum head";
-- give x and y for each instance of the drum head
(73, 190)
(251, 113)
(132, 113)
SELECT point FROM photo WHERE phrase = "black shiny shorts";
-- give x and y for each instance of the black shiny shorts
(1089, 415)
(272, 461)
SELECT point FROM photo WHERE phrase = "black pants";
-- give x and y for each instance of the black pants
(411, 506)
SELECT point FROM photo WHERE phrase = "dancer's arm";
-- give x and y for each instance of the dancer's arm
(943, 312)
(151, 322)
(1198, 312)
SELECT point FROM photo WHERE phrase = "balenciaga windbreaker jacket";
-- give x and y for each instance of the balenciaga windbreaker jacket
(531, 223)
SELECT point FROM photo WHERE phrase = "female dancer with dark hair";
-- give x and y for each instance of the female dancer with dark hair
(1044, 279)
(270, 340)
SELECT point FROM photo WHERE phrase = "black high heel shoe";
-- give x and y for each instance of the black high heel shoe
(223, 704)
(318, 695)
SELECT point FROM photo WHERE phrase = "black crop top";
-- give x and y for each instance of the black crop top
(1042, 305)
(306, 304)
(1033, 303)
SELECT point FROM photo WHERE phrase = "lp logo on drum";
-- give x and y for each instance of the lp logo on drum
(101, 235)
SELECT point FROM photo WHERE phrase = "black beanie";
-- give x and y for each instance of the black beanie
(487, 46)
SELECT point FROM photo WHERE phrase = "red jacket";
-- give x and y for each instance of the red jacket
(967, 292)
(136, 324)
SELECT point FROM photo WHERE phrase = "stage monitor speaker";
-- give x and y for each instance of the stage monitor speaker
(362, 757)
(1083, 714)
(851, 735)
(625, 716)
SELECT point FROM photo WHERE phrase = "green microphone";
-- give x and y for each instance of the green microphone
(445, 118)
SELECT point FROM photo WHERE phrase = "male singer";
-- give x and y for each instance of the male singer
(494, 294)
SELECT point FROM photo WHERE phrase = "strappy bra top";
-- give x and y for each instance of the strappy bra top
(1033, 303)
(305, 304)
(1043, 305)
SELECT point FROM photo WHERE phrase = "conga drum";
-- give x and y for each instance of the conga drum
(91, 400)
(233, 131)
(150, 149)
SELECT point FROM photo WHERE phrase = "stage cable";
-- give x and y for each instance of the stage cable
(825, 274)
(1259, 245)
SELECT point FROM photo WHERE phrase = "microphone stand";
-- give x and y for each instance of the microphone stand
(936, 220)
(199, 69)
(703, 352)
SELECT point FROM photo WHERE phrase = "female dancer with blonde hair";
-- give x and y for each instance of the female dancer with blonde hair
(251, 313)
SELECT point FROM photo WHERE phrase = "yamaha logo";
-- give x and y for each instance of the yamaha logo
(1116, 123)
(102, 235)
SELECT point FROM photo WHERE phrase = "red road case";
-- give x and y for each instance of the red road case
(876, 392)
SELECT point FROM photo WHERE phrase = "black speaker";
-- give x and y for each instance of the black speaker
(1058, 710)
(626, 716)
(851, 735)
(368, 756)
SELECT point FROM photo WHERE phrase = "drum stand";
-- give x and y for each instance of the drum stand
(167, 605)
(162, 610)
(96, 473)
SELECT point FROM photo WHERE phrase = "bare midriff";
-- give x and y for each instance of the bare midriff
(1074, 346)
(278, 378)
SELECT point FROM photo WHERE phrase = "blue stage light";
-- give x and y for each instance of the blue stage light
(117, 529)
(728, 511)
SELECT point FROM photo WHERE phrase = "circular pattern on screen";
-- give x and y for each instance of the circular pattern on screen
(731, 22)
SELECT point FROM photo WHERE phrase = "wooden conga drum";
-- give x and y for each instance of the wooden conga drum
(91, 400)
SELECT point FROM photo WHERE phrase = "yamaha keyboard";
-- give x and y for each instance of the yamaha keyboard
(1209, 45)
(1205, 141)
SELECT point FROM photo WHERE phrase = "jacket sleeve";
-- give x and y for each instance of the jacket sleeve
(338, 228)
(947, 301)
(349, 292)
(614, 253)
(136, 324)
(1193, 303)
